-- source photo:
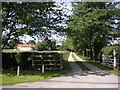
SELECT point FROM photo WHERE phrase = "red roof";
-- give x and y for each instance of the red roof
(26, 45)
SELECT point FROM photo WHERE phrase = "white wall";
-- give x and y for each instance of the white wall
(25, 48)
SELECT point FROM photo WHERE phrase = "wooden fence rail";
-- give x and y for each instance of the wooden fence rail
(50, 61)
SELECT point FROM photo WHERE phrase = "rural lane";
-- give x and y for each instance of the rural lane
(74, 79)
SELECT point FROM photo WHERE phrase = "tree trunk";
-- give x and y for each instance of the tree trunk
(91, 52)
(85, 54)
(94, 54)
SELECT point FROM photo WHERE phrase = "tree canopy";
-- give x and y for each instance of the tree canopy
(30, 18)
(46, 45)
(89, 25)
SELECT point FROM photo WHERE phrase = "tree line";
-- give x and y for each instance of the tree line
(92, 26)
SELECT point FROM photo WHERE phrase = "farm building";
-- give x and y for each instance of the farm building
(25, 47)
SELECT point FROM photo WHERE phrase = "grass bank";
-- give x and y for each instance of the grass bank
(99, 65)
(82, 66)
(9, 76)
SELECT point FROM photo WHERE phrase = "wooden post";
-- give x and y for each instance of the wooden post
(43, 69)
(103, 59)
(18, 70)
(114, 54)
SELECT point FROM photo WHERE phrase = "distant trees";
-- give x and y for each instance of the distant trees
(67, 45)
(12, 44)
(89, 26)
(31, 42)
(46, 45)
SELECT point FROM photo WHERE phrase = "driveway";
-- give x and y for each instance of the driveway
(76, 78)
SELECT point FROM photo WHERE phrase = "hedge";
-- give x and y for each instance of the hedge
(28, 60)
(108, 49)
(9, 60)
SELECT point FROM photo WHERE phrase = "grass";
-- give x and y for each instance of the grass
(99, 65)
(82, 66)
(9, 77)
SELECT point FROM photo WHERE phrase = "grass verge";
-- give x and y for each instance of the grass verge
(82, 66)
(99, 65)
(9, 77)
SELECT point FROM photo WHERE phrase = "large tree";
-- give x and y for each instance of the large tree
(31, 42)
(89, 25)
(30, 18)
(46, 45)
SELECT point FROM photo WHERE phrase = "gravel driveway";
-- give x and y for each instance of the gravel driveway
(76, 78)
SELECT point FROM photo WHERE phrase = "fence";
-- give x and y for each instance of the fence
(113, 60)
(48, 61)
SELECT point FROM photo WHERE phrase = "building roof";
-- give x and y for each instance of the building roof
(26, 45)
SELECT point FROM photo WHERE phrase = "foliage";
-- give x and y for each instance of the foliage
(89, 26)
(108, 49)
(12, 59)
(31, 42)
(36, 18)
(18, 57)
(67, 45)
(46, 45)
(8, 60)
(12, 44)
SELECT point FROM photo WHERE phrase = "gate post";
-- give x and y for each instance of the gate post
(43, 69)
(103, 59)
(114, 54)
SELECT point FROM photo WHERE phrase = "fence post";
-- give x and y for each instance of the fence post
(103, 59)
(18, 70)
(114, 54)
(42, 68)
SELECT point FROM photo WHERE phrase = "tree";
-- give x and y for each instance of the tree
(46, 45)
(67, 44)
(31, 42)
(36, 17)
(89, 26)
(12, 44)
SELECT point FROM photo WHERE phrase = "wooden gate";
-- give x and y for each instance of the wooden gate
(48, 61)
(112, 60)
